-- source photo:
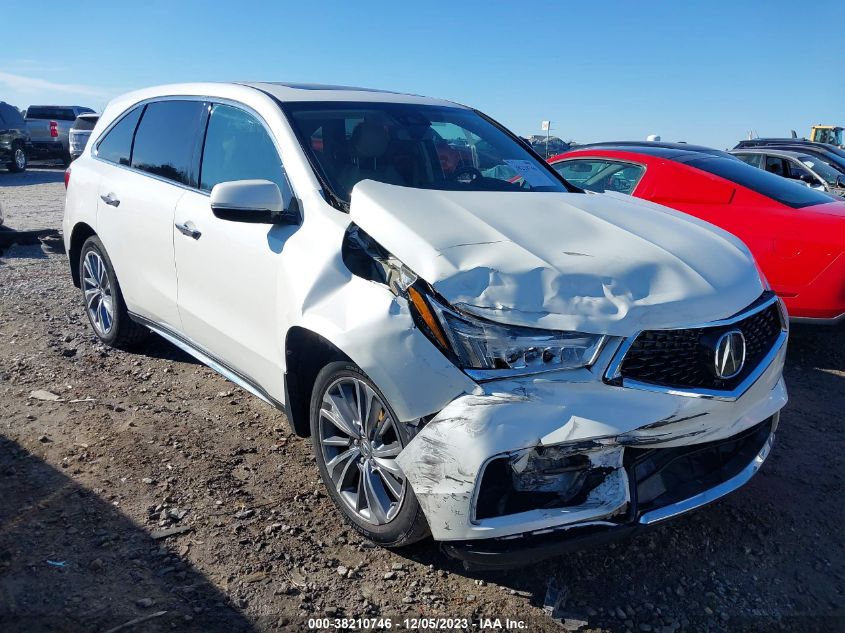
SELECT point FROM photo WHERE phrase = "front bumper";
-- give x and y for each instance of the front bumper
(684, 478)
(551, 423)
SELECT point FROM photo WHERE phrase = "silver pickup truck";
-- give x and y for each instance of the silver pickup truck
(49, 127)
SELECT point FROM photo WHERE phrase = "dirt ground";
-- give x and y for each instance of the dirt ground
(142, 442)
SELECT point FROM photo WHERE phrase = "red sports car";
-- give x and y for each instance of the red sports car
(797, 234)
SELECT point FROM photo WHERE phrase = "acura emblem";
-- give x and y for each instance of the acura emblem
(730, 354)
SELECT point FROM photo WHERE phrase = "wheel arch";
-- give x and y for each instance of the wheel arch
(81, 232)
(306, 353)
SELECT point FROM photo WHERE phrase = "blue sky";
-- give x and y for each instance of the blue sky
(704, 72)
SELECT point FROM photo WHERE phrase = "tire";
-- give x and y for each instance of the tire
(103, 300)
(65, 158)
(389, 519)
(18, 161)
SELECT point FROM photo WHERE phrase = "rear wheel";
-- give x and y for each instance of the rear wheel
(356, 439)
(103, 300)
(18, 162)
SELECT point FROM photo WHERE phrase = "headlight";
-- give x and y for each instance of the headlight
(483, 349)
(488, 350)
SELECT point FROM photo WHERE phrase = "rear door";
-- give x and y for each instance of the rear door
(153, 155)
(228, 271)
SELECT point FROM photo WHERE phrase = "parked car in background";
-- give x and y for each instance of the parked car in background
(833, 156)
(49, 128)
(797, 234)
(477, 348)
(799, 166)
(80, 132)
(14, 139)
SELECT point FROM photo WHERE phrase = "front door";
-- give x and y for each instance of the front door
(228, 271)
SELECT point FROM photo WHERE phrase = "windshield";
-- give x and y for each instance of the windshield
(833, 136)
(789, 192)
(412, 145)
(828, 173)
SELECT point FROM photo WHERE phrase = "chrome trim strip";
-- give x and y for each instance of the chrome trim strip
(206, 358)
(713, 494)
(613, 372)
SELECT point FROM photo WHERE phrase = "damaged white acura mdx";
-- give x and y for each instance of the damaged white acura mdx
(478, 349)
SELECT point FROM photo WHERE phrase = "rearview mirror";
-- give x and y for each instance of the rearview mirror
(255, 201)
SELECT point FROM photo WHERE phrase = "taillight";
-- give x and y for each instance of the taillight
(67, 176)
(54, 129)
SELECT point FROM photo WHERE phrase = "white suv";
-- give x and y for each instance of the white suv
(477, 348)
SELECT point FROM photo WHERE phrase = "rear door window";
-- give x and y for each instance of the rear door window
(238, 147)
(778, 166)
(594, 174)
(167, 139)
(116, 146)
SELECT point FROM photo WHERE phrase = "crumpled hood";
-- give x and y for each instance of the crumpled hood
(604, 263)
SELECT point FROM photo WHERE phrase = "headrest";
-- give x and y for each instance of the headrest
(370, 139)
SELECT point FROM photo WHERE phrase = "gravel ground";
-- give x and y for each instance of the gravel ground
(140, 443)
(33, 199)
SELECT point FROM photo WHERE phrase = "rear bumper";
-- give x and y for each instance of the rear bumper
(663, 483)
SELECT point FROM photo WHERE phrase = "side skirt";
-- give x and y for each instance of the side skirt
(206, 358)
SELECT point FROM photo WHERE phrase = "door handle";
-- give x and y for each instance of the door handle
(188, 229)
(110, 200)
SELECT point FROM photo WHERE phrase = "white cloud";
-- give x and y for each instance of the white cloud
(30, 85)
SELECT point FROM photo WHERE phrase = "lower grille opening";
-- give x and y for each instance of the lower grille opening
(544, 478)
(663, 476)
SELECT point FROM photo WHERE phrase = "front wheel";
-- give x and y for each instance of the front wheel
(356, 439)
(103, 299)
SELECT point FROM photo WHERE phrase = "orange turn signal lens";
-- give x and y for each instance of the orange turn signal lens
(426, 315)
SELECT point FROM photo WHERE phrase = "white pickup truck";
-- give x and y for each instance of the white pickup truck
(48, 128)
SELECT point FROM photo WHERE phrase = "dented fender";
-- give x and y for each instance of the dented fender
(366, 321)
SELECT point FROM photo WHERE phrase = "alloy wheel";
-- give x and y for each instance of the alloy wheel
(19, 158)
(99, 301)
(359, 443)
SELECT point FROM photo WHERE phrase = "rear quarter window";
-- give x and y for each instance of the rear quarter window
(116, 146)
(783, 190)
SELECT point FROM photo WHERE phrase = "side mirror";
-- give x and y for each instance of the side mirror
(840, 181)
(808, 178)
(255, 201)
